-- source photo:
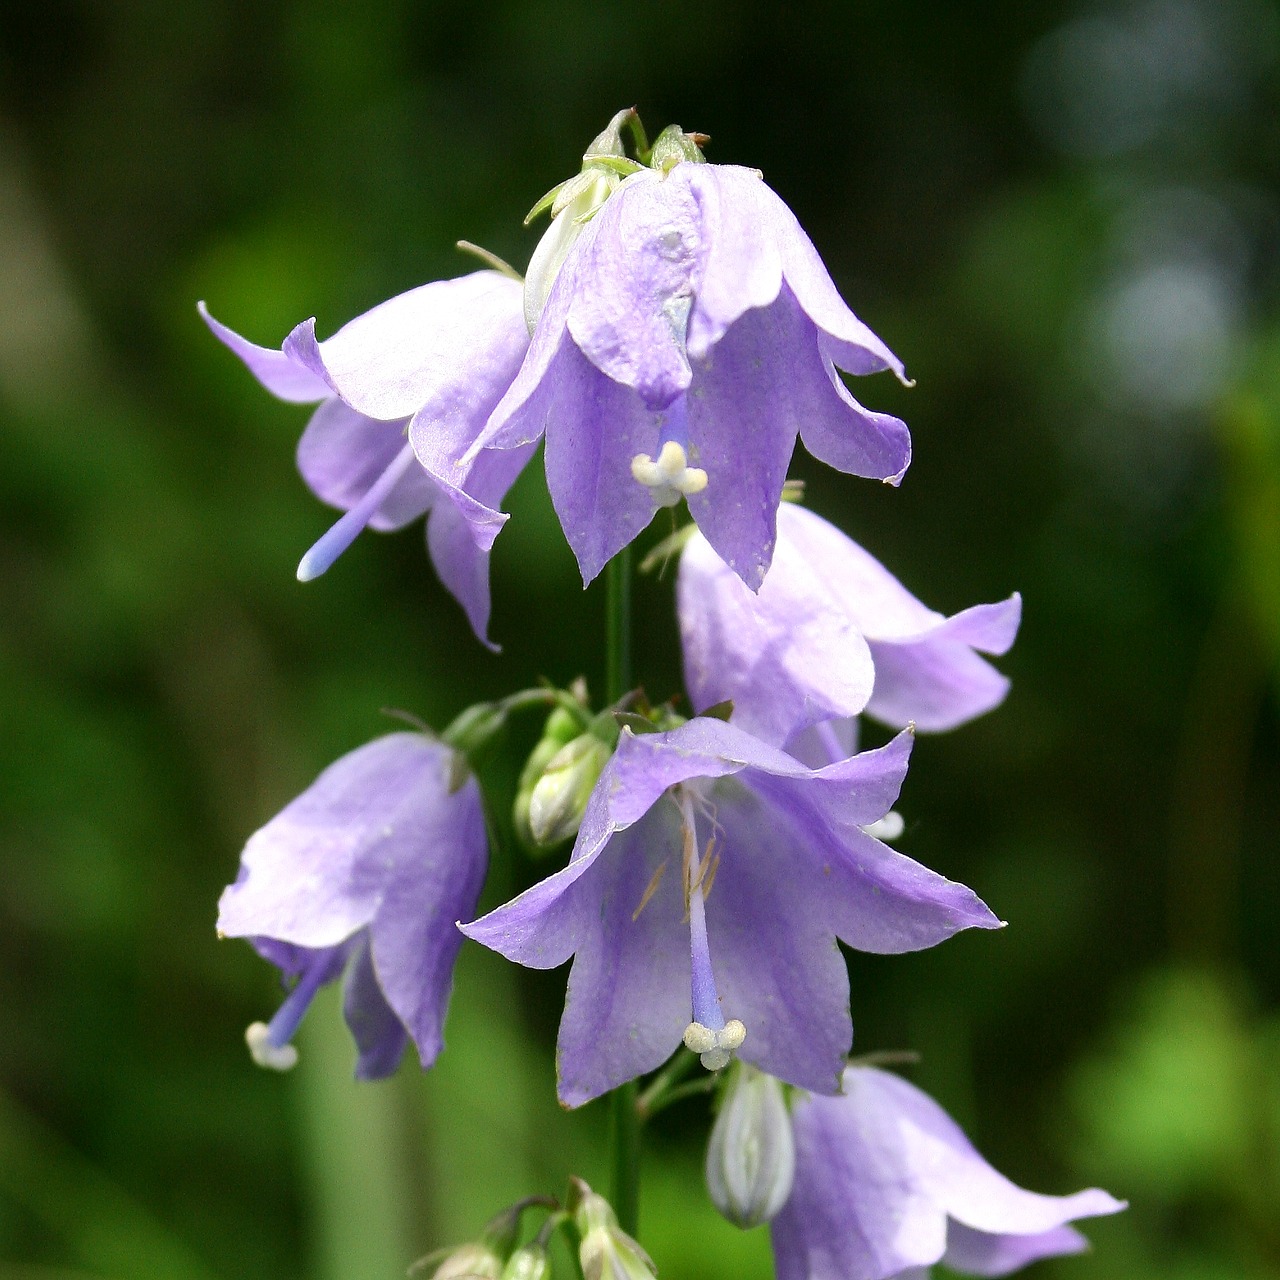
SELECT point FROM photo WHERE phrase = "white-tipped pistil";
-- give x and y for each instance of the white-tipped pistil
(670, 477)
(265, 1052)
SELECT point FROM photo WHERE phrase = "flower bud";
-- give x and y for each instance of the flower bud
(474, 1261)
(751, 1157)
(559, 797)
(529, 1262)
(606, 1251)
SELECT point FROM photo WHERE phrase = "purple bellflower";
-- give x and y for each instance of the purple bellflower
(704, 844)
(887, 1184)
(432, 363)
(364, 874)
(690, 334)
(830, 634)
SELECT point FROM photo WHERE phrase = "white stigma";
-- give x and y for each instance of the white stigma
(714, 1048)
(276, 1057)
(890, 827)
(671, 477)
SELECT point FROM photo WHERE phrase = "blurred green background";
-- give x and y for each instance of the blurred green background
(1064, 217)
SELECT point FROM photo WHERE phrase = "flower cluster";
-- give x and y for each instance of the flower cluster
(675, 335)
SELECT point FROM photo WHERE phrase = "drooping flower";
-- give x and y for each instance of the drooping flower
(690, 334)
(887, 1184)
(830, 634)
(363, 875)
(704, 844)
(432, 363)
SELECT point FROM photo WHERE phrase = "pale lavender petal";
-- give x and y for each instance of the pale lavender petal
(935, 685)
(858, 442)
(776, 964)
(786, 656)
(743, 415)
(628, 1000)
(429, 882)
(312, 875)
(462, 528)
(825, 743)
(599, 426)
(379, 1035)
(743, 266)
(284, 378)
(342, 454)
(855, 1208)
(453, 344)
(639, 271)
(977, 1253)
(956, 1178)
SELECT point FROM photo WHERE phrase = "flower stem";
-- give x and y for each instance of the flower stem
(624, 1141)
(618, 626)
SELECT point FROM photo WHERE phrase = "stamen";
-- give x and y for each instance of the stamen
(269, 1042)
(708, 1035)
(650, 890)
(344, 531)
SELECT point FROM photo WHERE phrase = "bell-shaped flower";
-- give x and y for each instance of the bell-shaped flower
(690, 334)
(887, 1184)
(832, 633)
(403, 392)
(363, 876)
(711, 877)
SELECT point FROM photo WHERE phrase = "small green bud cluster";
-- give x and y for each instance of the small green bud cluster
(558, 777)
(605, 1251)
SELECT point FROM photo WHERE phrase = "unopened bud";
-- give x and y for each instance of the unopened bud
(467, 1262)
(606, 1251)
(559, 798)
(529, 1262)
(751, 1157)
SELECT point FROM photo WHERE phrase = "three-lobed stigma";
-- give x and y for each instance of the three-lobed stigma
(670, 477)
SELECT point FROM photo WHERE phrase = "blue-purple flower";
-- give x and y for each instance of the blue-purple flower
(690, 334)
(432, 363)
(709, 882)
(832, 633)
(887, 1184)
(364, 875)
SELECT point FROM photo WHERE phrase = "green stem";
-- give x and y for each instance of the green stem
(625, 1128)
(617, 579)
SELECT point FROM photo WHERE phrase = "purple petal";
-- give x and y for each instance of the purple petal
(379, 1035)
(341, 455)
(628, 1001)
(933, 685)
(776, 963)
(855, 1209)
(977, 1253)
(462, 529)
(785, 656)
(452, 344)
(432, 880)
(636, 279)
(743, 268)
(310, 876)
(599, 426)
(283, 377)
(952, 1173)
(858, 442)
